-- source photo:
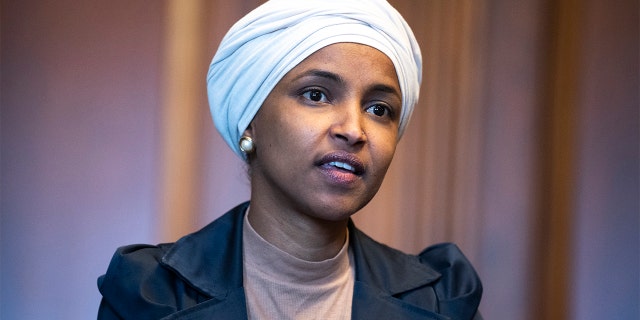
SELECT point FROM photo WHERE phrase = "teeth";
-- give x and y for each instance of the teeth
(342, 165)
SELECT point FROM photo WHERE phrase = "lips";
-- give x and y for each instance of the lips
(342, 165)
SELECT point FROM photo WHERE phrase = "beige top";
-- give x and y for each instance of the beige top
(280, 286)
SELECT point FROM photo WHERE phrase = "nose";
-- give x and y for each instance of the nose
(348, 125)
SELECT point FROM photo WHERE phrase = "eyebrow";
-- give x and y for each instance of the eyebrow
(337, 78)
(323, 74)
(385, 88)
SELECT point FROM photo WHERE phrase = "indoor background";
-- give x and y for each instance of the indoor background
(523, 150)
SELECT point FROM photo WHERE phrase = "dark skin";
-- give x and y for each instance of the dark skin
(325, 137)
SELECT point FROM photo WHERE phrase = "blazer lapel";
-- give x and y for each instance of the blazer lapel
(232, 307)
(383, 276)
(210, 260)
(370, 303)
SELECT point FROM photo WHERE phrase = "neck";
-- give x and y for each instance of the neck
(297, 234)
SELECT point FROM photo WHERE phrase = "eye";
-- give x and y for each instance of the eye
(315, 95)
(379, 110)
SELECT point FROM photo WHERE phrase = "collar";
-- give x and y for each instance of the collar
(385, 268)
(210, 260)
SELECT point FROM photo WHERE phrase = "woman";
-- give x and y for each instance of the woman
(314, 96)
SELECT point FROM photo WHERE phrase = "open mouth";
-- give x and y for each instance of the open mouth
(344, 162)
(343, 166)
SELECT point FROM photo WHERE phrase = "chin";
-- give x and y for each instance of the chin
(337, 210)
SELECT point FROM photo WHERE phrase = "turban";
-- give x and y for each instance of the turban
(272, 39)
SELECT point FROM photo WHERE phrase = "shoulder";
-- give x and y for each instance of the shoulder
(439, 279)
(139, 260)
(459, 289)
(136, 282)
(151, 281)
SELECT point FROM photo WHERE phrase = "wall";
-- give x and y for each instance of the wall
(79, 137)
(523, 149)
(607, 216)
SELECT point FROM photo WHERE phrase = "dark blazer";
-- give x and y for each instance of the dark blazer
(200, 277)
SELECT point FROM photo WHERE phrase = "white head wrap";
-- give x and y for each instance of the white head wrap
(272, 39)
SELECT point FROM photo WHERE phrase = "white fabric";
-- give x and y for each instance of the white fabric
(272, 39)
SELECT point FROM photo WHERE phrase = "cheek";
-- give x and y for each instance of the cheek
(302, 128)
(285, 135)
(389, 153)
(383, 152)
(386, 142)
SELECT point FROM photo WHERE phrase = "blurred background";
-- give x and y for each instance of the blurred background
(524, 148)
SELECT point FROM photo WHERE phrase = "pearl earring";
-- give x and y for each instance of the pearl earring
(246, 145)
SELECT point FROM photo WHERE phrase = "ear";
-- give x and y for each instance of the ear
(248, 132)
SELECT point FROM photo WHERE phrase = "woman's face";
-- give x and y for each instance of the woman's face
(326, 133)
